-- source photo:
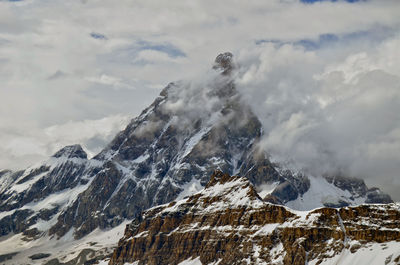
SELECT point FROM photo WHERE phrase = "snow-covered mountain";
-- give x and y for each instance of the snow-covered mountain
(167, 152)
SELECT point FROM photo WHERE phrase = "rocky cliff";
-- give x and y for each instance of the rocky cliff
(228, 223)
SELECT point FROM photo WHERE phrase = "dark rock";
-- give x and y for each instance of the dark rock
(39, 256)
(31, 233)
(374, 195)
(258, 169)
(16, 222)
(34, 173)
(339, 204)
(7, 256)
(348, 183)
(71, 151)
(272, 199)
(285, 191)
(224, 62)
(46, 214)
(84, 214)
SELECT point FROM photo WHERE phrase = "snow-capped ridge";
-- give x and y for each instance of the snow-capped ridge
(71, 151)
(222, 191)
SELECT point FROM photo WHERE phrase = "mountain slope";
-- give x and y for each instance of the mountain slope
(32, 199)
(167, 152)
(228, 223)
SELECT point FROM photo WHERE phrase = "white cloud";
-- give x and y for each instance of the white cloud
(22, 147)
(87, 132)
(112, 81)
(328, 116)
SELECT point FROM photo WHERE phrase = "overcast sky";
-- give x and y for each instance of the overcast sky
(322, 76)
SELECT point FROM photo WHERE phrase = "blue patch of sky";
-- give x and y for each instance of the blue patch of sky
(129, 53)
(323, 40)
(4, 41)
(314, 1)
(167, 48)
(376, 35)
(98, 36)
(274, 41)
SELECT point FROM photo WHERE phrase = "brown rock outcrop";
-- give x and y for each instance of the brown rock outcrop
(228, 222)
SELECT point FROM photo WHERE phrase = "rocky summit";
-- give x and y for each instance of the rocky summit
(166, 153)
(229, 223)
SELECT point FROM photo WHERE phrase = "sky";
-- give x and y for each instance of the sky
(323, 76)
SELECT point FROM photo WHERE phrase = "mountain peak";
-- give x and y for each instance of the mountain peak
(221, 191)
(71, 151)
(219, 177)
(224, 62)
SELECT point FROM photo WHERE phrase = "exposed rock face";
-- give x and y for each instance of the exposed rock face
(229, 223)
(41, 192)
(169, 150)
(224, 62)
(374, 195)
(71, 151)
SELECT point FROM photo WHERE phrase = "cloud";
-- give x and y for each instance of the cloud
(107, 80)
(22, 148)
(328, 116)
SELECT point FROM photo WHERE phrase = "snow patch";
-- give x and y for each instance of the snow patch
(266, 189)
(266, 230)
(195, 261)
(373, 253)
(141, 159)
(320, 193)
(190, 188)
(64, 249)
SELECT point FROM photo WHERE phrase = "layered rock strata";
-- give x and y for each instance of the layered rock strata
(228, 223)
